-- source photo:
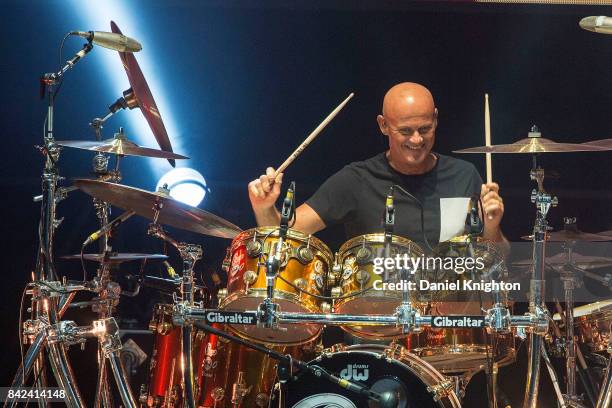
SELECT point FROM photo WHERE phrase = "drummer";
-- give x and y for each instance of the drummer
(355, 195)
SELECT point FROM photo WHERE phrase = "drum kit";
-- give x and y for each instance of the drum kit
(257, 342)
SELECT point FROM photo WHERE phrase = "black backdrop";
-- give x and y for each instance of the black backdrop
(246, 82)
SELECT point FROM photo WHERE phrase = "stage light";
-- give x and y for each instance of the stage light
(185, 185)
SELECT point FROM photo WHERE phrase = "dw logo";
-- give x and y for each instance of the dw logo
(357, 372)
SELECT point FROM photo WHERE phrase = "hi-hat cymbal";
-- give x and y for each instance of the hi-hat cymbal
(144, 98)
(119, 145)
(172, 212)
(560, 259)
(117, 257)
(572, 235)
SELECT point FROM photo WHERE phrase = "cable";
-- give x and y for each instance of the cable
(83, 263)
(422, 208)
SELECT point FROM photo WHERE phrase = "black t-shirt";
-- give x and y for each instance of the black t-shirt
(355, 196)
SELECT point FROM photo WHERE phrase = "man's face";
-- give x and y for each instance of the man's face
(411, 138)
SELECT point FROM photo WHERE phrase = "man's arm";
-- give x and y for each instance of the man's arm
(493, 207)
(264, 192)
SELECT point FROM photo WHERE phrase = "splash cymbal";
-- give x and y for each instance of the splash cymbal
(560, 259)
(119, 145)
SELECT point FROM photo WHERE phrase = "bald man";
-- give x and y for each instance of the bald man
(355, 196)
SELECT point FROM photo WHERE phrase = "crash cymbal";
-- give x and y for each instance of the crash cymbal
(117, 257)
(172, 212)
(560, 259)
(572, 235)
(534, 143)
(119, 145)
(144, 98)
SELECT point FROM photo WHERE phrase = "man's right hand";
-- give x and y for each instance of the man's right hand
(264, 191)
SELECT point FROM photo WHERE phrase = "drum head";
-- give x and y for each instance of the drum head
(407, 383)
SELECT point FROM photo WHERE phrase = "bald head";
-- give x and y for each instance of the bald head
(409, 120)
(408, 99)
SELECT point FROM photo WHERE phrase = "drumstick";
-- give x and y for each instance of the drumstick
(488, 139)
(488, 143)
(311, 136)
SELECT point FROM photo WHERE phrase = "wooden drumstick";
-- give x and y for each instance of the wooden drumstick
(311, 136)
(488, 139)
(488, 143)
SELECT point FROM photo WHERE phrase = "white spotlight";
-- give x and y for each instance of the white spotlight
(185, 184)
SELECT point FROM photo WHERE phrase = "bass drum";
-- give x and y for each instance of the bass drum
(381, 368)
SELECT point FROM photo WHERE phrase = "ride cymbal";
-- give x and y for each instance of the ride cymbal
(171, 211)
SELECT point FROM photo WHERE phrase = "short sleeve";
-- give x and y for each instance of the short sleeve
(335, 201)
(475, 184)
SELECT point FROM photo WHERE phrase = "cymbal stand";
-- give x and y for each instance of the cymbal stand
(543, 202)
(190, 254)
(110, 291)
(44, 306)
(605, 393)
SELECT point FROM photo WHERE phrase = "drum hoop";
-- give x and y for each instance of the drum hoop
(378, 238)
(315, 242)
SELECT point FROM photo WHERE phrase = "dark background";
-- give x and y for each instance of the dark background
(240, 84)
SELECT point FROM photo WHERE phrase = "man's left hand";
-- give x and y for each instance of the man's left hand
(493, 205)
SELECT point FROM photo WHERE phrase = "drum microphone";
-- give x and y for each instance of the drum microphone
(597, 24)
(112, 41)
(108, 227)
(389, 226)
(473, 222)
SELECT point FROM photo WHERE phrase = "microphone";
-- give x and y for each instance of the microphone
(108, 227)
(112, 41)
(389, 226)
(473, 222)
(597, 24)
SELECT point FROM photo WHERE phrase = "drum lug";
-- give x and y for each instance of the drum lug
(221, 294)
(336, 292)
(362, 277)
(305, 254)
(441, 390)
(253, 248)
(217, 394)
(249, 278)
(300, 283)
(325, 307)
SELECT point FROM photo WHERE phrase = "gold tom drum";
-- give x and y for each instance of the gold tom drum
(305, 263)
(462, 350)
(360, 285)
(593, 324)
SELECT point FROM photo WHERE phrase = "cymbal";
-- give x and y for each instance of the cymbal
(589, 309)
(607, 143)
(117, 257)
(173, 212)
(119, 145)
(560, 259)
(572, 235)
(532, 145)
(144, 98)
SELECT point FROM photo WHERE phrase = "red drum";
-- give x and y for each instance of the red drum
(165, 389)
(237, 376)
